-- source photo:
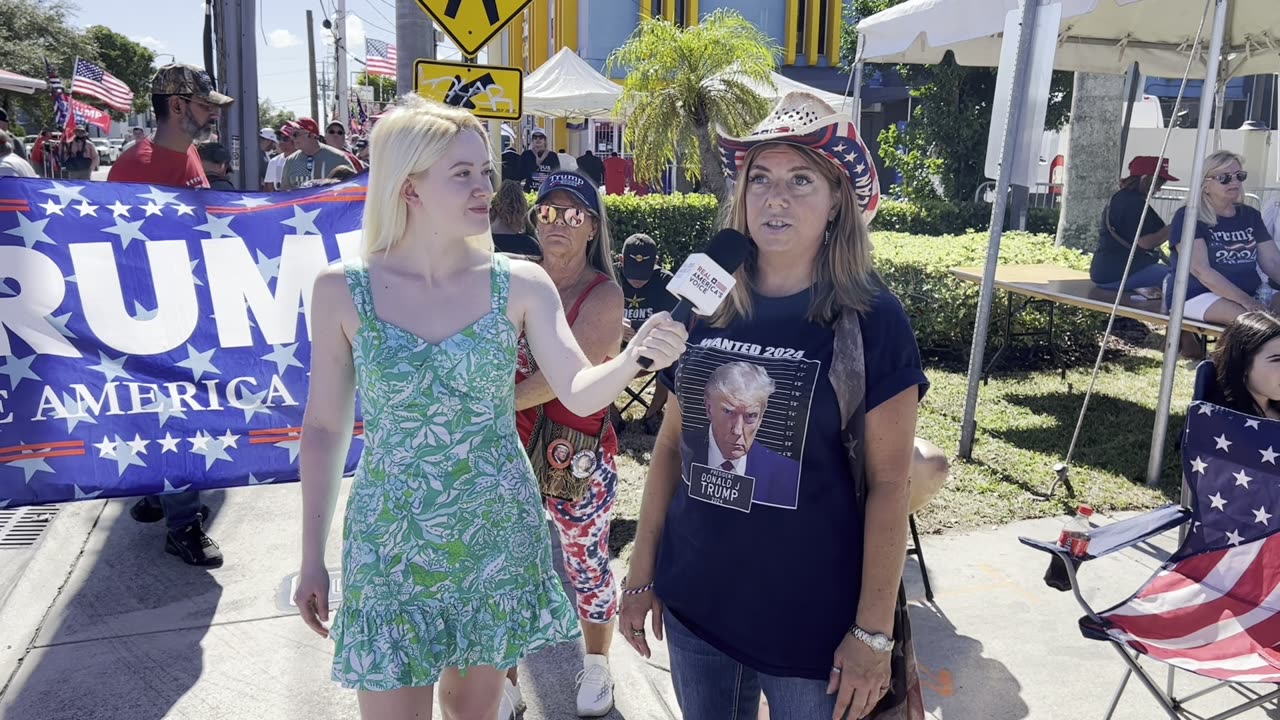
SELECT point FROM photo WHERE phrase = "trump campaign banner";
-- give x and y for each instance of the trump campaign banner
(156, 340)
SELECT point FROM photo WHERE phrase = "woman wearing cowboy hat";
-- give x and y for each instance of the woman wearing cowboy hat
(772, 533)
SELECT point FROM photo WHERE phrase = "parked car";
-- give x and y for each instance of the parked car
(106, 153)
(118, 144)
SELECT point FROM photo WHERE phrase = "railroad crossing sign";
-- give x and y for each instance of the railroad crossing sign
(488, 91)
(472, 23)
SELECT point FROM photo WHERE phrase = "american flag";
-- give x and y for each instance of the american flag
(380, 57)
(61, 108)
(91, 80)
(1211, 608)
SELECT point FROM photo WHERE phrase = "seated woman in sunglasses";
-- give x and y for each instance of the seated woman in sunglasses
(1230, 246)
(577, 253)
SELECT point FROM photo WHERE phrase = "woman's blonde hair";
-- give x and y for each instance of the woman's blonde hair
(510, 206)
(1215, 164)
(843, 278)
(407, 141)
(600, 247)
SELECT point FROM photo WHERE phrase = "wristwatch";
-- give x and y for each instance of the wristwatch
(878, 642)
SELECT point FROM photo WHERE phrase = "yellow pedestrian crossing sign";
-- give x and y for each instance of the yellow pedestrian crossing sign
(488, 91)
(472, 23)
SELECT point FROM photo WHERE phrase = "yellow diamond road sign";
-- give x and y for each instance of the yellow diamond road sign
(472, 23)
(489, 91)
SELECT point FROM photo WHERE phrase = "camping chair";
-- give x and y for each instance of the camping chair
(1213, 608)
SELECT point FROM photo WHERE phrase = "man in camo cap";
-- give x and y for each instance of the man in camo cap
(186, 106)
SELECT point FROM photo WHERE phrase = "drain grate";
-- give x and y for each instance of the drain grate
(22, 527)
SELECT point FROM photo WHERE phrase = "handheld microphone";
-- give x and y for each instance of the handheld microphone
(705, 278)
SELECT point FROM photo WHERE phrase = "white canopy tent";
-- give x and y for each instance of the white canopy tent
(567, 87)
(20, 83)
(1241, 37)
(783, 85)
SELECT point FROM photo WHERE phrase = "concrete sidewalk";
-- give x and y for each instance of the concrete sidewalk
(104, 625)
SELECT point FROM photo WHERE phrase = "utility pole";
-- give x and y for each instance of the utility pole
(340, 46)
(415, 38)
(238, 77)
(311, 64)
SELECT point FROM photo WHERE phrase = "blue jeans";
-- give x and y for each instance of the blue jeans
(713, 686)
(180, 509)
(1149, 276)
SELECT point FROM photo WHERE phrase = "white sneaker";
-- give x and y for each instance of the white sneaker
(512, 702)
(595, 687)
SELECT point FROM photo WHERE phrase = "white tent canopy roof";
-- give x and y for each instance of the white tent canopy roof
(567, 87)
(1103, 36)
(783, 85)
(20, 83)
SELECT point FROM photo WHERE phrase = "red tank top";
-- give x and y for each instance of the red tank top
(555, 410)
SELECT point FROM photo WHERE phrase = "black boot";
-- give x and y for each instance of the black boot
(193, 547)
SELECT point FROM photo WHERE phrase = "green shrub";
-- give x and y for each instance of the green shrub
(939, 217)
(681, 223)
(943, 309)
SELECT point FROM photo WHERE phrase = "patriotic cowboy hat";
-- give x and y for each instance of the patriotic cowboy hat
(803, 119)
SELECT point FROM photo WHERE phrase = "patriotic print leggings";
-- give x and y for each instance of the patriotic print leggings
(584, 537)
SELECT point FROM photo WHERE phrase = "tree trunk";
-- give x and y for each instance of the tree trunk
(1093, 157)
(712, 169)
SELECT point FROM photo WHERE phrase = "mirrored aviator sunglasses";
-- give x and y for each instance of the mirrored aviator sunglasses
(1226, 178)
(549, 214)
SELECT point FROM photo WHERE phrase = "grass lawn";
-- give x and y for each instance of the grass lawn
(1025, 423)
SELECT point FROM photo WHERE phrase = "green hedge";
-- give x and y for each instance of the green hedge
(945, 218)
(943, 309)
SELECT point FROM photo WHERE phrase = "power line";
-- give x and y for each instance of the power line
(375, 9)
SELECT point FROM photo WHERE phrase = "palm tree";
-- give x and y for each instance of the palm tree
(684, 83)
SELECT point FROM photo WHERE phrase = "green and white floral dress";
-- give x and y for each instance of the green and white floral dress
(446, 557)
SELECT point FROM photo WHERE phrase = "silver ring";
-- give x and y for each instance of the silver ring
(637, 633)
(835, 669)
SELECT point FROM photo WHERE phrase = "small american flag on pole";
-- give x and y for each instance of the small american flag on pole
(380, 57)
(91, 80)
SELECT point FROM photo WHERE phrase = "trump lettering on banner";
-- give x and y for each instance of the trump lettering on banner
(155, 339)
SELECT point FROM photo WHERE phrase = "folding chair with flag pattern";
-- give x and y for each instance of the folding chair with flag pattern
(1213, 608)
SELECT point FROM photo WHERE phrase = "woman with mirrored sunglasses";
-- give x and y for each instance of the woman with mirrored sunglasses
(577, 252)
(1231, 250)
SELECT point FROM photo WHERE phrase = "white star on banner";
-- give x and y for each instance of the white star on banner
(229, 440)
(30, 466)
(169, 489)
(5, 503)
(5, 290)
(82, 495)
(141, 313)
(1261, 515)
(32, 233)
(125, 456)
(217, 227)
(1254, 423)
(252, 403)
(200, 442)
(164, 406)
(1217, 501)
(213, 451)
(291, 446)
(66, 193)
(106, 448)
(1223, 442)
(303, 222)
(86, 209)
(127, 231)
(1235, 538)
(169, 443)
(76, 412)
(199, 363)
(138, 445)
(1242, 479)
(119, 209)
(18, 369)
(59, 323)
(282, 356)
(184, 209)
(1198, 466)
(159, 197)
(1206, 409)
(268, 267)
(152, 209)
(51, 208)
(1269, 455)
(252, 202)
(194, 277)
(255, 481)
(111, 369)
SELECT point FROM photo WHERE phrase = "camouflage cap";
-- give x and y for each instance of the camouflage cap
(178, 79)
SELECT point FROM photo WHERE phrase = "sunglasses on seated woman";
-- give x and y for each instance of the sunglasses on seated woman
(1226, 178)
(561, 214)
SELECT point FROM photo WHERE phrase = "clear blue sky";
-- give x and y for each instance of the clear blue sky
(176, 27)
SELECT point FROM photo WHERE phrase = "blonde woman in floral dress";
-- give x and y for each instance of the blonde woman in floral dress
(447, 570)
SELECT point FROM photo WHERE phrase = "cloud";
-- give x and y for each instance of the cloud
(154, 44)
(355, 35)
(282, 39)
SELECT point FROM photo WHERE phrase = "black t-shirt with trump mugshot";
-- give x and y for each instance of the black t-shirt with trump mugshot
(640, 304)
(761, 553)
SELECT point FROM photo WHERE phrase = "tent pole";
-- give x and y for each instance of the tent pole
(856, 110)
(1132, 80)
(1182, 274)
(1012, 120)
